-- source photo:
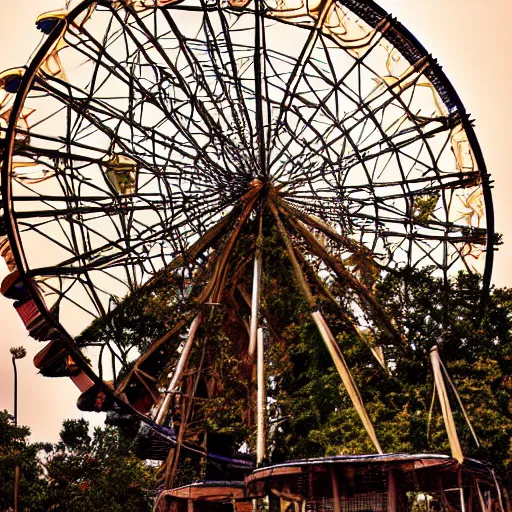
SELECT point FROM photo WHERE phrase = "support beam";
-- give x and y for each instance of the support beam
(346, 376)
(255, 304)
(325, 332)
(336, 503)
(262, 400)
(453, 438)
(392, 491)
(178, 371)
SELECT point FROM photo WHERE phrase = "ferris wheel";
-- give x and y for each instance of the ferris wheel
(150, 148)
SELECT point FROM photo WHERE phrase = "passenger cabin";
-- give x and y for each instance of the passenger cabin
(121, 172)
(54, 361)
(14, 288)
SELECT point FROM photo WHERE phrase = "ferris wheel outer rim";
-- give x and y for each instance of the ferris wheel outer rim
(24, 89)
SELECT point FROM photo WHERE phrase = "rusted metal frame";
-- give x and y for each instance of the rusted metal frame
(336, 86)
(260, 122)
(445, 406)
(348, 243)
(313, 275)
(60, 333)
(91, 118)
(86, 113)
(407, 141)
(362, 108)
(440, 238)
(114, 208)
(185, 420)
(36, 229)
(424, 191)
(91, 103)
(234, 68)
(178, 372)
(388, 220)
(61, 270)
(62, 295)
(200, 246)
(214, 289)
(439, 79)
(327, 336)
(54, 153)
(210, 36)
(427, 252)
(92, 84)
(449, 185)
(422, 136)
(360, 204)
(426, 63)
(361, 159)
(395, 148)
(191, 58)
(200, 108)
(299, 276)
(345, 276)
(180, 325)
(70, 187)
(266, 65)
(93, 199)
(6, 183)
(312, 152)
(146, 95)
(316, 34)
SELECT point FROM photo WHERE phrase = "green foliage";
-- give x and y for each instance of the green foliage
(81, 472)
(424, 207)
(98, 473)
(138, 319)
(16, 451)
(313, 413)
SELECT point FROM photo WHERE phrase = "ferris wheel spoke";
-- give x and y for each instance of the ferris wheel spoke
(399, 217)
(66, 267)
(198, 74)
(64, 294)
(333, 86)
(146, 95)
(247, 130)
(90, 113)
(225, 73)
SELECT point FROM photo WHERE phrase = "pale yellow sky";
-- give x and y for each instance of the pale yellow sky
(472, 41)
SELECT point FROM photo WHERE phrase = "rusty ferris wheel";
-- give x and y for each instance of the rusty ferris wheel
(150, 146)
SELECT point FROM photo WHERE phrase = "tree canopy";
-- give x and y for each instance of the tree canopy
(80, 472)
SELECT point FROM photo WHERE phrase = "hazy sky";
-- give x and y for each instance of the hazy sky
(472, 41)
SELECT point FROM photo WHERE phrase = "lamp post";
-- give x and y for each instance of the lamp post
(17, 353)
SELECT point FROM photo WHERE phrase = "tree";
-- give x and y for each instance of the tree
(314, 413)
(81, 472)
(15, 450)
(98, 473)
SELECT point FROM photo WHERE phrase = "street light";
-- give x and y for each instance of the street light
(17, 353)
